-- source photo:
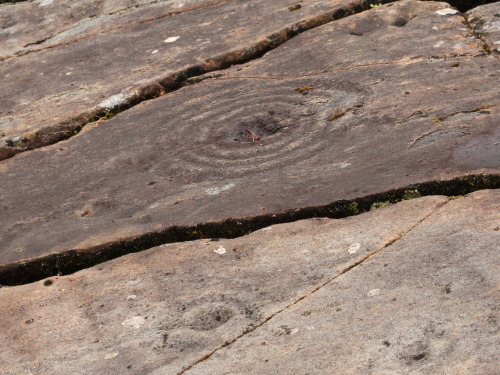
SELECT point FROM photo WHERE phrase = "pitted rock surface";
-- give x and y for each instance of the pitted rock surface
(137, 137)
(409, 287)
(419, 306)
(267, 137)
(166, 300)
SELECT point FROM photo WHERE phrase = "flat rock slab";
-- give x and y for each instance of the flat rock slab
(270, 137)
(34, 25)
(49, 94)
(174, 294)
(408, 287)
(427, 304)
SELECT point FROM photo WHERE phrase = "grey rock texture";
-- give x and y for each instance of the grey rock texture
(485, 20)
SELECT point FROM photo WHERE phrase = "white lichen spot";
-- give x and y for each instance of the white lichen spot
(446, 11)
(171, 39)
(111, 355)
(435, 28)
(294, 331)
(311, 328)
(131, 297)
(218, 189)
(438, 44)
(342, 165)
(220, 250)
(354, 248)
(137, 281)
(496, 42)
(492, 26)
(69, 73)
(114, 101)
(373, 293)
(45, 2)
(155, 51)
(267, 228)
(134, 322)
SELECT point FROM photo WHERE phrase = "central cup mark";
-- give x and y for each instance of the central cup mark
(253, 129)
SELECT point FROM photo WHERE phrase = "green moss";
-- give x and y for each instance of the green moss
(411, 194)
(353, 209)
(376, 205)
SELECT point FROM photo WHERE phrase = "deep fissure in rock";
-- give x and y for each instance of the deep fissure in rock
(74, 260)
(465, 5)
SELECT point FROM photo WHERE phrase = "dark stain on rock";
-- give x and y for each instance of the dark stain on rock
(419, 357)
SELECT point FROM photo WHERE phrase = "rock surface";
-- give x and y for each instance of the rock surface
(120, 60)
(405, 288)
(163, 148)
(294, 129)
(426, 304)
(485, 21)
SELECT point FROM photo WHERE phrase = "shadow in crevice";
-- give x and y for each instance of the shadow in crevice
(465, 5)
(70, 261)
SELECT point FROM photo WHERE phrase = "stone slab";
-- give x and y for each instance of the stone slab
(427, 304)
(189, 157)
(33, 25)
(485, 21)
(167, 307)
(47, 95)
(409, 288)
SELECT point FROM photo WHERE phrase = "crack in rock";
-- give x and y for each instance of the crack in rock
(310, 293)
(70, 261)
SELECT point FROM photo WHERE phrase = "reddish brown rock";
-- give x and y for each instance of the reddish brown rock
(427, 304)
(110, 63)
(270, 137)
(35, 25)
(403, 289)
(169, 306)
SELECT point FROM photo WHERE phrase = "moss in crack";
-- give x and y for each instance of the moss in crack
(376, 205)
(353, 209)
(411, 194)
